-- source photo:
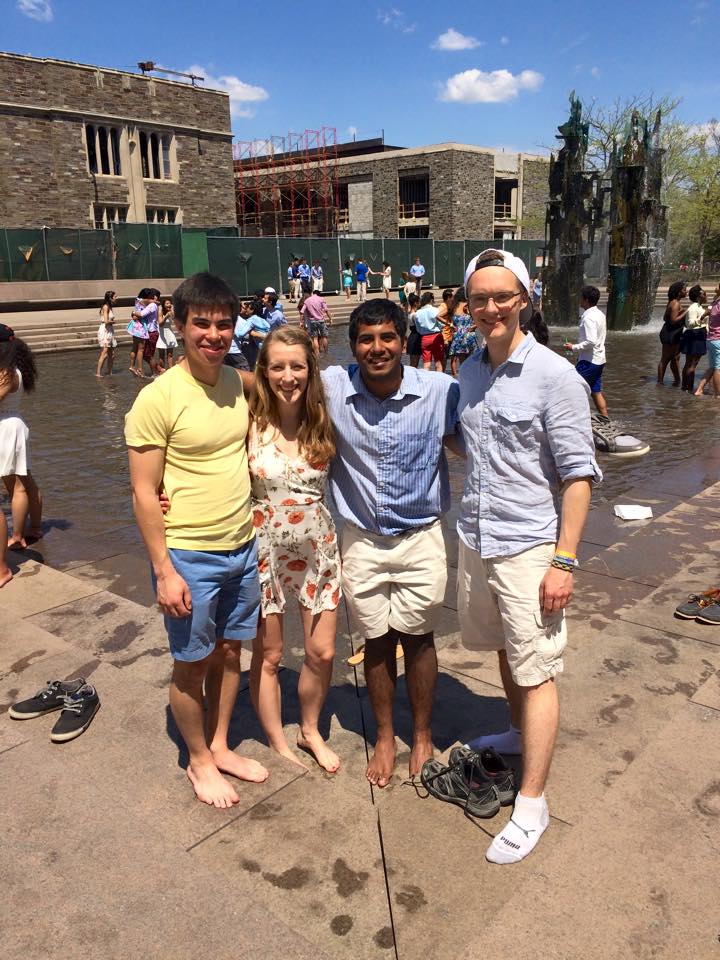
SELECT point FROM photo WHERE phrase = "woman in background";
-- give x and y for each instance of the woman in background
(106, 335)
(167, 341)
(18, 375)
(672, 331)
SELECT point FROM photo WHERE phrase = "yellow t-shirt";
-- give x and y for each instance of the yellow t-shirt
(202, 430)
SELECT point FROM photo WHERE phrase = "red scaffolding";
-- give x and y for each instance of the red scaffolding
(287, 186)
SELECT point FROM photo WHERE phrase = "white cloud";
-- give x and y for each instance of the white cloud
(352, 131)
(452, 39)
(392, 17)
(577, 42)
(476, 86)
(240, 92)
(595, 72)
(504, 41)
(36, 9)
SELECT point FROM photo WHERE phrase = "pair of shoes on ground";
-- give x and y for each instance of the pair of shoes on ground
(77, 700)
(703, 607)
(478, 781)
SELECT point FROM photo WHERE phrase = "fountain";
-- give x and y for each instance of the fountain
(574, 210)
(638, 225)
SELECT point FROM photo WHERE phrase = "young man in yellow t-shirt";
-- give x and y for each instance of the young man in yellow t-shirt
(186, 433)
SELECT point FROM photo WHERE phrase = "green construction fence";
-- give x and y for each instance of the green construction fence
(140, 251)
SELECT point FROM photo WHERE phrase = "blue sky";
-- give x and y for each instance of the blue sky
(420, 74)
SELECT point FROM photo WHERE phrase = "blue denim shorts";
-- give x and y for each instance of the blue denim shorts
(591, 374)
(225, 593)
(713, 347)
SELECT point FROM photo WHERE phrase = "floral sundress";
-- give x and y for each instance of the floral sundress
(465, 338)
(297, 542)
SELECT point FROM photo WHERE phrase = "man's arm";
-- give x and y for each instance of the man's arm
(590, 337)
(147, 465)
(248, 381)
(556, 588)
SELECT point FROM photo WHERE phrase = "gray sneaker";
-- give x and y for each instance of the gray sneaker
(493, 768)
(710, 613)
(697, 604)
(51, 697)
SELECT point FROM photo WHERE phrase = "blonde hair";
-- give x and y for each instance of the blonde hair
(316, 436)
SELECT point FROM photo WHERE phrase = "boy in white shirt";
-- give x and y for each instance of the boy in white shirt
(591, 346)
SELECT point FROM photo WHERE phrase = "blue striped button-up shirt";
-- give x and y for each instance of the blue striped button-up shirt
(390, 474)
(526, 427)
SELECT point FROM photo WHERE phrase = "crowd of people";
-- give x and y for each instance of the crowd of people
(371, 439)
(691, 330)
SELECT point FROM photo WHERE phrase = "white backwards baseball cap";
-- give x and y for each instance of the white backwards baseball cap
(270, 290)
(502, 258)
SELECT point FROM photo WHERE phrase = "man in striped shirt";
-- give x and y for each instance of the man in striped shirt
(389, 481)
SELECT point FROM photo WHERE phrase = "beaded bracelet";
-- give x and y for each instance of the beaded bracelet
(562, 566)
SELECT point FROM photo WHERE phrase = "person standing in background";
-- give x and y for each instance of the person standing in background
(417, 272)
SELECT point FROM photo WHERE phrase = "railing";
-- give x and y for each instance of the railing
(504, 211)
(413, 211)
(343, 219)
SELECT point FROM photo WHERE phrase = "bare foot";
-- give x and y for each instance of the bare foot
(210, 787)
(422, 750)
(5, 576)
(289, 755)
(325, 757)
(240, 767)
(17, 543)
(380, 769)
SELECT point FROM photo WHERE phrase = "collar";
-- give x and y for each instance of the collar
(519, 354)
(410, 385)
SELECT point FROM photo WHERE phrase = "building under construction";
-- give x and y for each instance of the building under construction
(308, 184)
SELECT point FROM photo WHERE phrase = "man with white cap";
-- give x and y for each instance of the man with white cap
(530, 466)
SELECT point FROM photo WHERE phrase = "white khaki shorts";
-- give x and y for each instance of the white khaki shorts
(394, 582)
(499, 609)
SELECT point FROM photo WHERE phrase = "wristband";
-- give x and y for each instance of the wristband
(566, 553)
(568, 568)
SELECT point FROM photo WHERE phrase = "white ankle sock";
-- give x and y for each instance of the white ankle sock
(509, 741)
(530, 819)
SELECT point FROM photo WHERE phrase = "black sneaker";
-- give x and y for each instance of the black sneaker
(78, 710)
(493, 768)
(462, 783)
(710, 613)
(51, 697)
(696, 603)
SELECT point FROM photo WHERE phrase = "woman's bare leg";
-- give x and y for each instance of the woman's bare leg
(110, 359)
(5, 571)
(19, 510)
(264, 685)
(101, 361)
(35, 502)
(315, 677)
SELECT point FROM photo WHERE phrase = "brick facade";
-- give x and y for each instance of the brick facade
(535, 194)
(45, 177)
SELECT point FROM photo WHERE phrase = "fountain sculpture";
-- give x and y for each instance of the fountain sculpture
(574, 211)
(638, 225)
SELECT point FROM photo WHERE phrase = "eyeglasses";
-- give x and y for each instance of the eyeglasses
(503, 301)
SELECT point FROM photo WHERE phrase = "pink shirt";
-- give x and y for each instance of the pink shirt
(714, 321)
(314, 307)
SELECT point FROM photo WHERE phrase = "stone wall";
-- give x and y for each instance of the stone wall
(535, 194)
(473, 196)
(360, 205)
(44, 173)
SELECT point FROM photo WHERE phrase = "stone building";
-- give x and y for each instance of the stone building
(85, 146)
(446, 191)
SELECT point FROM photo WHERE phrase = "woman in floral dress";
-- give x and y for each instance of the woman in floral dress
(290, 446)
(464, 341)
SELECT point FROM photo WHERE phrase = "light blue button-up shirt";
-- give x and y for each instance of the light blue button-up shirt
(526, 427)
(390, 474)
